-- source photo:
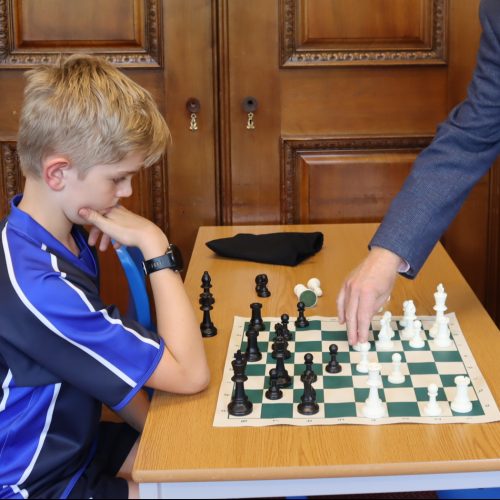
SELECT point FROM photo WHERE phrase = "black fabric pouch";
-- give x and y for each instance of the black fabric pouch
(288, 249)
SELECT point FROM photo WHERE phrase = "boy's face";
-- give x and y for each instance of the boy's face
(101, 188)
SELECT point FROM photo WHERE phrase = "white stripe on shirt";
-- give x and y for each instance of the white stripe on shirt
(48, 324)
(6, 390)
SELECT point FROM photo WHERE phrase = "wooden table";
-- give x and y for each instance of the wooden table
(181, 455)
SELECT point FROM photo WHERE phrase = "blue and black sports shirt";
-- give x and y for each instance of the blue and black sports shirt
(62, 353)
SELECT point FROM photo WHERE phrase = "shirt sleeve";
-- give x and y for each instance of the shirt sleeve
(67, 330)
(463, 150)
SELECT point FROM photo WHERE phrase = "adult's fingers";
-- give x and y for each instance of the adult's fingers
(351, 316)
(340, 304)
(365, 311)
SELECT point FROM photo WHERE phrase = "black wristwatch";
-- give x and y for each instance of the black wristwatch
(172, 259)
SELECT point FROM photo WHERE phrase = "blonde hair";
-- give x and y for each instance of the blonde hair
(87, 109)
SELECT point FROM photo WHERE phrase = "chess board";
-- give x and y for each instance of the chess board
(341, 396)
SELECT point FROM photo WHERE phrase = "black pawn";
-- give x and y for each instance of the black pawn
(301, 321)
(240, 405)
(274, 392)
(252, 352)
(285, 319)
(256, 319)
(309, 406)
(308, 362)
(333, 366)
(261, 281)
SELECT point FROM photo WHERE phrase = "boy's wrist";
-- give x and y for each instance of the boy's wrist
(154, 245)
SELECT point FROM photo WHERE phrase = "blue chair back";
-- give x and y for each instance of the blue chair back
(138, 304)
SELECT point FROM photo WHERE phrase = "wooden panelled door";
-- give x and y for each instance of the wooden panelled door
(308, 110)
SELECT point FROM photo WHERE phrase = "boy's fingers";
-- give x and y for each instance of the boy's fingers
(93, 235)
(105, 241)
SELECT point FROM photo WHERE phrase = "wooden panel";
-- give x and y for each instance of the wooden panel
(403, 24)
(344, 180)
(377, 32)
(84, 22)
(127, 33)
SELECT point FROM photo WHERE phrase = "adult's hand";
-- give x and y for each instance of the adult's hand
(365, 290)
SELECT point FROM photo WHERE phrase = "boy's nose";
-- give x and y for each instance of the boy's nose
(125, 190)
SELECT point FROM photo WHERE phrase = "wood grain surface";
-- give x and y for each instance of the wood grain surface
(180, 443)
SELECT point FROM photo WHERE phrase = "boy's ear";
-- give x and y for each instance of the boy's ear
(54, 171)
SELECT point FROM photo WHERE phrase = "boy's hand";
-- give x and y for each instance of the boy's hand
(365, 290)
(125, 228)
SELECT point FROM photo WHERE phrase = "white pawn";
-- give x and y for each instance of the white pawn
(364, 348)
(443, 335)
(385, 334)
(396, 377)
(374, 407)
(417, 342)
(432, 408)
(315, 285)
(461, 403)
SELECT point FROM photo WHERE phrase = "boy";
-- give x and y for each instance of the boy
(85, 130)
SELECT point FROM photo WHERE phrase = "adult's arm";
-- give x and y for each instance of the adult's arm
(464, 148)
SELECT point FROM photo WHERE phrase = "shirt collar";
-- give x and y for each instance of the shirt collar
(32, 230)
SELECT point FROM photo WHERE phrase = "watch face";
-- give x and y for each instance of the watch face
(176, 258)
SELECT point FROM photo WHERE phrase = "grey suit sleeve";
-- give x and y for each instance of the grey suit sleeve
(463, 150)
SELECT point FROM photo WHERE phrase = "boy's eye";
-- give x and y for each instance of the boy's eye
(118, 180)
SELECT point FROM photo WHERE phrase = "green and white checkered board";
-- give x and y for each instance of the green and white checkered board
(341, 396)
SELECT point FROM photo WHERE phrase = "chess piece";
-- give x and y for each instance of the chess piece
(440, 307)
(252, 352)
(206, 301)
(396, 377)
(374, 407)
(301, 321)
(240, 405)
(280, 338)
(417, 342)
(442, 338)
(206, 283)
(274, 392)
(461, 402)
(287, 334)
(261, 281)
(305, 295)
(315, 285)
(308, 405)
(364, 348)
(256, 319)
(432, 408)
(333, 365)
(279, 353)
(308, 362)
(408, 319)
(384, 342)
